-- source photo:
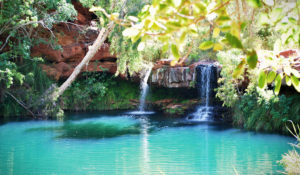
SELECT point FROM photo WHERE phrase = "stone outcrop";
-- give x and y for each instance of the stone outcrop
(74, 39)
(176, 77)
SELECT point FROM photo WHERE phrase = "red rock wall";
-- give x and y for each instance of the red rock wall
(74, 40)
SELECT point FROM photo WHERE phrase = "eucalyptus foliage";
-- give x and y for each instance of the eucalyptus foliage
(172, 21)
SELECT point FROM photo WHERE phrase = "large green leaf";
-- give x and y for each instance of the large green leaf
(176, 3)
(200, 7)
(262, 79)
(288, 81)
(252, 59)
(216, 32)
(278, 81)
(234, 41)
(141, 46)
(131, 32)
(239, 69)
(217, 47)
(271, 76)
(255, 3)
(175, 51)
(295, 82)
(295, 73)
(206, 45)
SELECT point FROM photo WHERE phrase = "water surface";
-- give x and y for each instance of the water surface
(125, 144)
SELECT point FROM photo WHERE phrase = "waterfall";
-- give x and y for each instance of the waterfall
(144, 89)
(206, 81)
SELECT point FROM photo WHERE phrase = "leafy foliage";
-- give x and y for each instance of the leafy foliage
(35, 84)
(94, 91)
(171, 22)
(228, 86)
(22, 23)
(266, 112)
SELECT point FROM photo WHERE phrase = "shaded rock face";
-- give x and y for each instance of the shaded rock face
(173, 77)
(74, 40)
(178, 77)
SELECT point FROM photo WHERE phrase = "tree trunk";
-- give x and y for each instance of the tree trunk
(92, 51)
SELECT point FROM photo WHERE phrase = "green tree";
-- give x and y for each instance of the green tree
(171, 22)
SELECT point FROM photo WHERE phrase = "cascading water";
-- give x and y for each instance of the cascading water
(206, 80)
(144, 89)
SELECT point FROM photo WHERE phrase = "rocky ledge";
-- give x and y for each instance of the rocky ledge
(177, 77)
(74, 39)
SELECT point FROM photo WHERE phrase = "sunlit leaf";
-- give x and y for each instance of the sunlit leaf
(94, 9)
(206, 45)
(217, 47)
(287, 70)
(235, 29)
(165, 47)
(130, 32)
(239, 69)
(252, 59)
(175, 51)
(295, 82)
(269, 2)
(254, 3)
(271, 76)
(276, 15)
(234, 41)
(220, 20)
(114, 16)
(136, 37)
(200, 7)
(225, 28)
(216, 32)
(292, 20)
(182, 37)
(141, 46)
(262, 79)
(176, 3)
(133, 18)
(278, 81)
(295, 73)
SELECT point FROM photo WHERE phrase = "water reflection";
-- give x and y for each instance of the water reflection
(145, 126)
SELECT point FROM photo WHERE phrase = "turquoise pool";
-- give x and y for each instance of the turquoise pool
(116, 143)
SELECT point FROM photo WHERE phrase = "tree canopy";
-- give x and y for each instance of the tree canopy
(174, 23)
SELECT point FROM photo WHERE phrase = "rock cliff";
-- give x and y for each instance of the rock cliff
(74, 39)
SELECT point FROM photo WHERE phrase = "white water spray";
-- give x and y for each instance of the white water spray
(144, 89)
(204, 111)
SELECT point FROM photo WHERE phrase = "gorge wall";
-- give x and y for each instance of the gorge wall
(74, 39)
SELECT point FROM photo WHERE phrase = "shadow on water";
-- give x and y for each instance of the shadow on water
(90, 130)
(76, 127)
